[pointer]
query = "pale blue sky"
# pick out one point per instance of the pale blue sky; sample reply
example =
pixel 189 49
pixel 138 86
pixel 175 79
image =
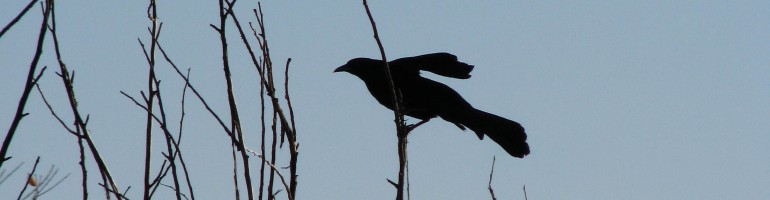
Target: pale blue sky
pixel 621 100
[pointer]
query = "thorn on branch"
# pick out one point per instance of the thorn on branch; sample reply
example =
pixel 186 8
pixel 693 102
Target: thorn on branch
pixel 37 78
pixel 215 28
pixel 144 97
pixel 392 183
pixel 72 77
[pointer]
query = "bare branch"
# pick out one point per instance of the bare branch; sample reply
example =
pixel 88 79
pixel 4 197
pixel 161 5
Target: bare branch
pixel 197 94
pixel 80 130
pixel 4 177
pixel 401 131
pixel 17 18
pixel 152 16
pixel 280 176
pixel 525 191
pixel 30 178
pixel 492 192
pixel 27 87
pixel 45 101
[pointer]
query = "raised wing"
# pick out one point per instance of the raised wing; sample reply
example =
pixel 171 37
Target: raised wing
pixel 444 64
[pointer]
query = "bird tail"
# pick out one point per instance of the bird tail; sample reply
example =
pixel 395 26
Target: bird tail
pixel 508 134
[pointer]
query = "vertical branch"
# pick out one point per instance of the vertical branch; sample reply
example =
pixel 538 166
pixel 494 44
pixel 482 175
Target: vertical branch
pixel 78 133
pixel 179 139
pixel 525 192
pixel 31 81
pixel 262 146
pixel 171 146
pixel 264 68
pixel 73 132
pixel 287 126
pixel 189 85
pixel 152 15
pixel 272 156
pixel 292 137
pixel 197 94
pixel 235 119
pixel 268 67
pixel 401 131
pixel 81 124
pixel 82 164
pixel 235 175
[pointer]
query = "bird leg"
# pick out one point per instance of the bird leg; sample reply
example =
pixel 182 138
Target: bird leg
pixel 411 127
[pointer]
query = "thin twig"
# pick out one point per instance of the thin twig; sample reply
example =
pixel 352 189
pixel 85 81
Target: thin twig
pixel 263 132
pixel 29 178
pixel 179 140
pixel 287 125
pixel 44 184
pixel 82 164
pixel 272 157
pixel 172 188
pixel 171 145
pixel 31 81
pixel 408 192
pixel 81 130
pixel 525 191
pixel 266 79
pixel 68 80
pixel 235 174
pixel 116 193
pixel 162 172
pixel 152 16
pixel 48 105
pixel 234 116
pixel 4 177
pixel 272 166
pixel 197 94
pixel 156 118
pixel 81 150
pixel 492 171
pixel 293 150
pixel 17 18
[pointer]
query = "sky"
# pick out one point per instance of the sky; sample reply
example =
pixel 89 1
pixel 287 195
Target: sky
pixel 620 99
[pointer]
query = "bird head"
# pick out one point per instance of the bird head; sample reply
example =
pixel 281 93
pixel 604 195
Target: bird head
pixel 359 66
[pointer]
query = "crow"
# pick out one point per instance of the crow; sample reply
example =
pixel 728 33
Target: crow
pixel 425 99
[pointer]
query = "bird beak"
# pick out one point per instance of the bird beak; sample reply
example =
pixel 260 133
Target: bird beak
pixel 343 68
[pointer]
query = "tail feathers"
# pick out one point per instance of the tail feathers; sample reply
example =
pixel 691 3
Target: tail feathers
pixel 508 134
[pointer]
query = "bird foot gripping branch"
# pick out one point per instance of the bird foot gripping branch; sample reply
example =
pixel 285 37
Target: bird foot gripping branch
pixel 411 127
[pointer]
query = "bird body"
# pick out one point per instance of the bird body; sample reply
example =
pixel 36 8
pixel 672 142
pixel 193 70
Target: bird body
pixel 425 99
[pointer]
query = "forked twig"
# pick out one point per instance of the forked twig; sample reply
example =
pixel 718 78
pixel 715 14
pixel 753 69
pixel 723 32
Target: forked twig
pixel 492 171
pixel 81 131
